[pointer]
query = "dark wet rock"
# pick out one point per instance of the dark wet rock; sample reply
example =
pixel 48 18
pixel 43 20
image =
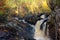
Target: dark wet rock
pixel 7 33
pixel 16 28
pixel 54 25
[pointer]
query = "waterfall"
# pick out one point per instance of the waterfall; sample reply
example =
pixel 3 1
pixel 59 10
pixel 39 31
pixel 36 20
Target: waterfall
pixel 40 34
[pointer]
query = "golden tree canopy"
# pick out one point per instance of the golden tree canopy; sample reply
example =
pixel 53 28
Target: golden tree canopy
pixel 26 6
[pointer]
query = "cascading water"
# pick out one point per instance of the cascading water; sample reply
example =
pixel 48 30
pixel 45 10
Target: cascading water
pixel 40 32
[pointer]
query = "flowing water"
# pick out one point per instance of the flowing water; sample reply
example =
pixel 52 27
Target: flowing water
pixel 39 34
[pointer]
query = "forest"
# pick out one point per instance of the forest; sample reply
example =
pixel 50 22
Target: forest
pixel 29 19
